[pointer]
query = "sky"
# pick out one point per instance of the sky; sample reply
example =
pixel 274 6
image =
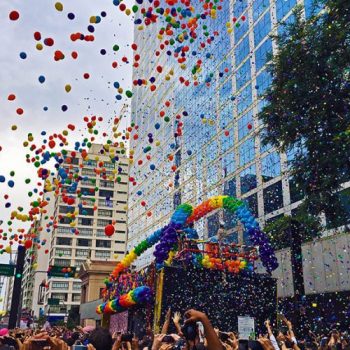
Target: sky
pixel 93 96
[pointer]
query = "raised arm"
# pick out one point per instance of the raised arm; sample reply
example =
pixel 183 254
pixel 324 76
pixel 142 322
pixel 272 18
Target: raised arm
pixel 176 320
pixel 214 342
pixel 166 322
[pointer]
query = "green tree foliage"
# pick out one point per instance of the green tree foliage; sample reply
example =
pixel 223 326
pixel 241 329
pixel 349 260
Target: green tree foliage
pixel 278 230
pixel 308 104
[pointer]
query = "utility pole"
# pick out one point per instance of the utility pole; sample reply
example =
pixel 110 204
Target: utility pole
pixel 17 287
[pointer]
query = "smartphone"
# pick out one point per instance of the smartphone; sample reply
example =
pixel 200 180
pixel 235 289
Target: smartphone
pixel 79 347
pixel 223 336
pixel 127 337
pixel 40 343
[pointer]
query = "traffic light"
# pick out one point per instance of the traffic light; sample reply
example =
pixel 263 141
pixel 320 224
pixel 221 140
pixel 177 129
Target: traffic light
pixel 18 275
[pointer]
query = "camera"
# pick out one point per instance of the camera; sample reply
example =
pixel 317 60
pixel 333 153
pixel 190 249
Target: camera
pixel 127 337
pixel 189 330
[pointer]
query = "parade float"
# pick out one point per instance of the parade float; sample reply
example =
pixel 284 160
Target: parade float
pixel 217 278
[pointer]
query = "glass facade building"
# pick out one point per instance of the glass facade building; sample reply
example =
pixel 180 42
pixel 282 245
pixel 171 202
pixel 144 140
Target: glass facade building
pixel 220 151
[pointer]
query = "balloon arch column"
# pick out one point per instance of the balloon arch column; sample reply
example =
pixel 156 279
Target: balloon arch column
pixel 167 238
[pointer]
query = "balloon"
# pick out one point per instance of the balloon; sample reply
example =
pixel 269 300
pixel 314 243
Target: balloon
pixel 109 230
pixel 41 79
pixel 68 88
pixel 14 15
pixel 59 6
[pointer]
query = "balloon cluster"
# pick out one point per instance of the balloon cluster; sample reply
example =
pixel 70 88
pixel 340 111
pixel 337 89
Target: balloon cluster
pixel 185 214
pixel 137 296
pixel 169 237
pixel 233 266
pixel 135 252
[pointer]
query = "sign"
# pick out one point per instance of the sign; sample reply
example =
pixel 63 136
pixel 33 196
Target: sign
pixel 53 301
pixel 60 271
pixel 246 328
pixel 7 269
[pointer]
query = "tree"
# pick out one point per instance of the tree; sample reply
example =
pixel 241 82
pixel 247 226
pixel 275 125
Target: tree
pixel 308 104
pixel 278 229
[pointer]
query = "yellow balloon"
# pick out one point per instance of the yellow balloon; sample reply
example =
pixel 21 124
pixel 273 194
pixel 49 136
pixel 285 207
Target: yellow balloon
pixel 39 46
pixel 59 6
pixel 68 88
pixel 8 249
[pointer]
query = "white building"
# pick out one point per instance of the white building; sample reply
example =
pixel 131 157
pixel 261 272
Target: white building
pixel 102 199
pixel 37 262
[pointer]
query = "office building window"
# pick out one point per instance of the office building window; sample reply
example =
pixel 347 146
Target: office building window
pixel 65 220
pixel 88 172
pixel 60 285
pixel 239 7
pixel 241 29
pixel 246 151
pixel 78 263
pixel 103 222
pixel 229 187
pixel 227 141
pixel 90 163
pixel 103 243
pixel 252 202
pixel 63 241
pixel 243 74
pixel 262 28
pixel 242 51
pixel 81 242
pixel 87 191
pixel 102 254
pixel 104 212
pixel 106 193
pixel 270 166
pixel 273 197
pixel 283 7
pixel 81 253
pixel 213 225
pixel 86 211
pixel 62 262
pixel 60 296
pixel 65 210
pixel 259 6
pixel 75 297
pixel 248 179
pixel 107 184
pixel 63 252
pixel 245 124
pixel 296 193
pixel 64 230
pixel 263 147
pixel 85 221
pixel 76 285
pixel 262 54
pixel 85 232
pixel 263 81
pixel 244 99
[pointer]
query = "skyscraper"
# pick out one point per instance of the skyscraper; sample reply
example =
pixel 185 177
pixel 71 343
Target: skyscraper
pixel 79 230
pixel 219 151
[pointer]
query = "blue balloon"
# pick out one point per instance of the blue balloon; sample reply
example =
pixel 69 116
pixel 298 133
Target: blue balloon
pixel 23 55
pixel 41 79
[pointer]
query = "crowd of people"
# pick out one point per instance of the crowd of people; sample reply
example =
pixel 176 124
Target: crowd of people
pixel 195 332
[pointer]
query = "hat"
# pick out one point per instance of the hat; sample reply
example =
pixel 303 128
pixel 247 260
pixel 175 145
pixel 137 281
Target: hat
pixel 3 332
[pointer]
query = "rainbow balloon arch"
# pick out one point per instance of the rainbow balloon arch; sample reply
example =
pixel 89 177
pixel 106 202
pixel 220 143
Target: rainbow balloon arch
pixel 167 238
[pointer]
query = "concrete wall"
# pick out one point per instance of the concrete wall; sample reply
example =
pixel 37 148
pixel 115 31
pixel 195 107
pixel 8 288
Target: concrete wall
pixel 326 266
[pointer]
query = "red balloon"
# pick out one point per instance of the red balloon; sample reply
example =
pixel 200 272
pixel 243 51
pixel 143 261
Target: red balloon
pixel 37 36
pixel 14 15
pixel 28 244
pixel 109 230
